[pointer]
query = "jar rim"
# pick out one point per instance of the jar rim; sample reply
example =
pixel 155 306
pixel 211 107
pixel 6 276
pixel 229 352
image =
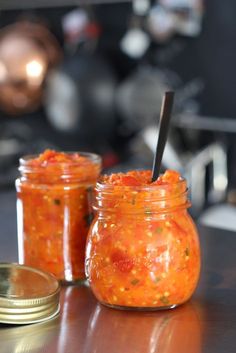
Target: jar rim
pixel 100 186
pixel 24 161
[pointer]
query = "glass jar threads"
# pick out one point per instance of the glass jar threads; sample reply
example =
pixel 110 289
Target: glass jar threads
pixel 142 249
pixel 53 211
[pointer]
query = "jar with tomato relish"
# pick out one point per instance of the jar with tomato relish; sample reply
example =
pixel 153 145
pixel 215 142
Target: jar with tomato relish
pixel 54 211
pixel 143 248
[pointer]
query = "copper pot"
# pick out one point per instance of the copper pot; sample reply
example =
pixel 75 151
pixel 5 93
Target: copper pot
pixel 27 52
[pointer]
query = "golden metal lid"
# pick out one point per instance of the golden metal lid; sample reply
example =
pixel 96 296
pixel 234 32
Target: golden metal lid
pixel 27 295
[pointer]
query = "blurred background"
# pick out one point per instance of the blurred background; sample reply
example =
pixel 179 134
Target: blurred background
pixel 89 75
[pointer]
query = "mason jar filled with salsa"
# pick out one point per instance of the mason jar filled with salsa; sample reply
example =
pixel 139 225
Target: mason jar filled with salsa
pixel 54 211
pixel 143 247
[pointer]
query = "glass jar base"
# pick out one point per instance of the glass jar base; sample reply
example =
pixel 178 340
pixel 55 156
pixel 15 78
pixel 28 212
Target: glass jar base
pixel 138 308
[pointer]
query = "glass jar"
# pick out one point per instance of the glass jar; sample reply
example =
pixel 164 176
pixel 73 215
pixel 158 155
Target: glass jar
pixel 143 248
pixel 54 211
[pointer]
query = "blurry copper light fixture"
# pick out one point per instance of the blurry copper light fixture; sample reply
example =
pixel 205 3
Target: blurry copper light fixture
pixel 27 51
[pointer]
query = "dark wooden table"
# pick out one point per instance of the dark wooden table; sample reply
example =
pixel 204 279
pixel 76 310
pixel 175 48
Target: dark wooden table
pixel 207 323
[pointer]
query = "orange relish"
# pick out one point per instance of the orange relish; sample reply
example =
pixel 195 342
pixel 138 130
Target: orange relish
pixel 143 249
pixel 54 211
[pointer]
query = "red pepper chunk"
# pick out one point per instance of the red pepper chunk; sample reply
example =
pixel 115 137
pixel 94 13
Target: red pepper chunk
pixel 122 261
pixel 169 177
pixel 129 181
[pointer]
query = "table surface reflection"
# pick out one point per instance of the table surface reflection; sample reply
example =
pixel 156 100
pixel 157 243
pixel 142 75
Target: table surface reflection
pixel 207 323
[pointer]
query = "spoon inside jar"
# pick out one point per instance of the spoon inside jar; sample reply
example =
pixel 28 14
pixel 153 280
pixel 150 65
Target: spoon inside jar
pixel 165 115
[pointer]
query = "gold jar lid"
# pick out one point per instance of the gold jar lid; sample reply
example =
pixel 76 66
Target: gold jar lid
pixel 27 295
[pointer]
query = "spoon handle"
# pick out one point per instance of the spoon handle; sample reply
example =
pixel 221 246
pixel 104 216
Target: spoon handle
pixel 165 115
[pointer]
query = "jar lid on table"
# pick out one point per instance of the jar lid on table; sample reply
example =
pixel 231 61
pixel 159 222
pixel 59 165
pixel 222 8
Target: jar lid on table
pixel 27 295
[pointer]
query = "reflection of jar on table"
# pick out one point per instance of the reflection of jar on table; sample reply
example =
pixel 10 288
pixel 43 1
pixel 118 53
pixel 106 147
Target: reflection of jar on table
pixel 77 308
pixel 178 331
pixel 143 249
pixel 53 211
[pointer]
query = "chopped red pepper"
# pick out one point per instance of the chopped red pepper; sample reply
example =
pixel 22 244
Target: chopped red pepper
pixel 55 196
pixel 145 251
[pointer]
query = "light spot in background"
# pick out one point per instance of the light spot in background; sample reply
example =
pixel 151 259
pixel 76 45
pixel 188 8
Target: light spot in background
pixel 3 72
pixel 35 71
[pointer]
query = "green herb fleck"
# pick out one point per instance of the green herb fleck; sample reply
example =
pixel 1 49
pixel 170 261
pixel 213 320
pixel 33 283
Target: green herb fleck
pixel 157 279
pixel 158 230
pixel 186 252
pixel 134 281
pixel 148 211
pixel 88 219
pixel 133 200
pixel 57 202
pixel 164 300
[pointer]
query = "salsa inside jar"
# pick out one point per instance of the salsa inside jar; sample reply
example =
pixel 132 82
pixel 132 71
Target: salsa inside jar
pixel 143 249
pixel 54 212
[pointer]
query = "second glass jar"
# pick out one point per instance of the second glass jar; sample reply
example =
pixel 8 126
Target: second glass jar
pixel 54 211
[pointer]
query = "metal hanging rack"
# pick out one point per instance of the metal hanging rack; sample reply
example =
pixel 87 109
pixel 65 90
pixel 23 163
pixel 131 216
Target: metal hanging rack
pixel 34 4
